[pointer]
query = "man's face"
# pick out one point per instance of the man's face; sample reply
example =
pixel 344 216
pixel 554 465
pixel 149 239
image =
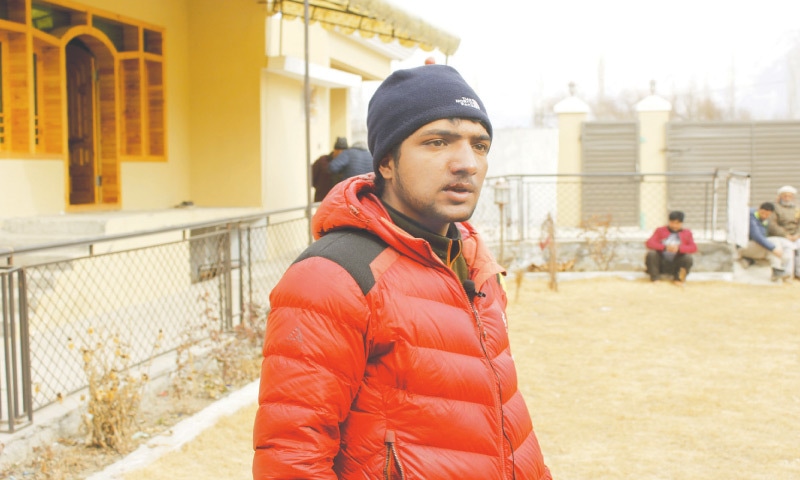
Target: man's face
pixel 764 214
pixel 675 225
pixel 439 172
pixel 786 198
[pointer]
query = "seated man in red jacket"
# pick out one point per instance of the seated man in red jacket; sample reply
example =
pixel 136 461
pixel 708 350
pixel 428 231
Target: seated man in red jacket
pixel 669 250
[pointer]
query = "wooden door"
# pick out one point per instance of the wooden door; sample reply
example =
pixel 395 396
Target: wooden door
pixel 81 120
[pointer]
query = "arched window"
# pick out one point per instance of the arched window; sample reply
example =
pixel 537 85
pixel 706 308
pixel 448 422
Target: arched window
pixel 129 104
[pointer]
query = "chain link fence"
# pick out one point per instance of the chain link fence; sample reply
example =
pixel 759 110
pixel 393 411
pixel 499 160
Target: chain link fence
pixel 150 290
pixel 634 202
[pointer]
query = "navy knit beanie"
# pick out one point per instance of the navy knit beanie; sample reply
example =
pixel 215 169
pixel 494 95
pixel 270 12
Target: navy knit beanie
pixel 409 99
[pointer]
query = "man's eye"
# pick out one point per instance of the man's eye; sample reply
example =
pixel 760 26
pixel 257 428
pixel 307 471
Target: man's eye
pixel 436 143
pixel 482 147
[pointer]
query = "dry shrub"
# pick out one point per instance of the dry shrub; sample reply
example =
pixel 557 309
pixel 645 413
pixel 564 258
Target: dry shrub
pixel 234 355
pixel 547 243
pixel 114 392
pixel 185 376
pixel 238 354
pixel 225 361
pixel 46 464
pixel 61 460
pixel 599 233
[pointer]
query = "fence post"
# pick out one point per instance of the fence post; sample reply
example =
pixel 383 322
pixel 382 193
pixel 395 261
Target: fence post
pixel 16 347
pixel 571 113
pixel 226 291
pixel 715 204
pixel 653 112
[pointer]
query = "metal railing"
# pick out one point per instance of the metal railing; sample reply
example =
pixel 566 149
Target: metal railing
pixel 16 349
pixel 633 201
pixel 147 289
pixel 150 288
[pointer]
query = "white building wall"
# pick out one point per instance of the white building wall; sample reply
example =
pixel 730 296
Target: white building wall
pixel 31 187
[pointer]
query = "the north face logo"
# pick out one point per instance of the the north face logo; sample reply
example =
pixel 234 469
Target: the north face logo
pixel 468 102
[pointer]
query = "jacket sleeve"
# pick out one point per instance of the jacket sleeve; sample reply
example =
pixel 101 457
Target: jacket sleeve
pixel 339 162
pixel 654 242
pixel 687 242
pixel 314 361
pixel 757 234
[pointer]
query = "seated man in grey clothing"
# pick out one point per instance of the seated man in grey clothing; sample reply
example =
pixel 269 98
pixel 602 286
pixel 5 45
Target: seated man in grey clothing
pixel 353 161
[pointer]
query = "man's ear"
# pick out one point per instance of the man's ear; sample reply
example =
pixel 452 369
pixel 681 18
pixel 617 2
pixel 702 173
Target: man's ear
pixel 386 167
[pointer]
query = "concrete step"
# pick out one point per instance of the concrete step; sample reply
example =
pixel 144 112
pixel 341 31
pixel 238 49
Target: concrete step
pixel 27 232
pixel 759 273
pixel 52 228
pixel 56 225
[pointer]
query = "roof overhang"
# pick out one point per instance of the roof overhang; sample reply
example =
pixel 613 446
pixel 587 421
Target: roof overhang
pixel 392 50
pixel 370 18
pixel 294 67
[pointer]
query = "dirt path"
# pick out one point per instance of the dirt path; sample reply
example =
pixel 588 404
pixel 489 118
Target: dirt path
pixel 626 379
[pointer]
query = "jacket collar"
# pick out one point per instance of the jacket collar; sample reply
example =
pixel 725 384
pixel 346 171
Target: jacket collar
pixel 352 203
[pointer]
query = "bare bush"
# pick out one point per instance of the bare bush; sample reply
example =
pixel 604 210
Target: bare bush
pixel 114 392
pixel 601 237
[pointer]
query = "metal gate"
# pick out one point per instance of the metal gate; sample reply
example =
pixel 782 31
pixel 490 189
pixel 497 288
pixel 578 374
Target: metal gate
pixel 768 150
pixel 611 148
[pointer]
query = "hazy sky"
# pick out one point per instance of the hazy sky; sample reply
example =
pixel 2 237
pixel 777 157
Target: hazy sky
pixel 515 52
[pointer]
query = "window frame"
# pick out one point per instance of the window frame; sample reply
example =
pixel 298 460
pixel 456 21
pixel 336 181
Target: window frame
pixel 27 132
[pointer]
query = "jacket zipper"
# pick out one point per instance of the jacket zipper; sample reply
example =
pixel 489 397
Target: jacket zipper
pixel 481 339
pixel 392 459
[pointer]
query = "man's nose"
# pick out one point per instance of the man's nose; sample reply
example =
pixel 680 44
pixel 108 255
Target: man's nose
pixel 464 158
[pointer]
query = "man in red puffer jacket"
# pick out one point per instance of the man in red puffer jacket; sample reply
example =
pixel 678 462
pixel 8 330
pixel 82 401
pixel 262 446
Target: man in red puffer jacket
pixel 387 351
pixel 670 249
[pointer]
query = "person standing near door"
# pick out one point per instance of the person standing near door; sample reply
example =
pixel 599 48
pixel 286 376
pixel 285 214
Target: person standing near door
pixel 351 162
pixel 321 177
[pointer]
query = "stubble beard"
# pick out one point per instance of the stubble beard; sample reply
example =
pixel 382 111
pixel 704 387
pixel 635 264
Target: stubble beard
pixel 431 211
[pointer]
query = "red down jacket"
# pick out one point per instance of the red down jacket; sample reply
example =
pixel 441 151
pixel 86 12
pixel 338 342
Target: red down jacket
pixel 377 366
pixel 656 240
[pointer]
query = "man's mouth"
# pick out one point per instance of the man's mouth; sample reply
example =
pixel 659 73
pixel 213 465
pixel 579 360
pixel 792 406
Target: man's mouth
pixel 459 188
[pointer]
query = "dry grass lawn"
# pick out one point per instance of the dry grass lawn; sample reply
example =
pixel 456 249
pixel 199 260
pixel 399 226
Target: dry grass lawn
pixel 626 379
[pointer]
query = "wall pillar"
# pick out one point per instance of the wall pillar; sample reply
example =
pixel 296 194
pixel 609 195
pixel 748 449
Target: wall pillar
pixel 653 114
pixel 571 113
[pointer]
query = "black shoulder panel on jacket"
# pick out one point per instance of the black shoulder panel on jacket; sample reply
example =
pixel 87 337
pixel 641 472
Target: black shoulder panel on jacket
pixel 353 250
